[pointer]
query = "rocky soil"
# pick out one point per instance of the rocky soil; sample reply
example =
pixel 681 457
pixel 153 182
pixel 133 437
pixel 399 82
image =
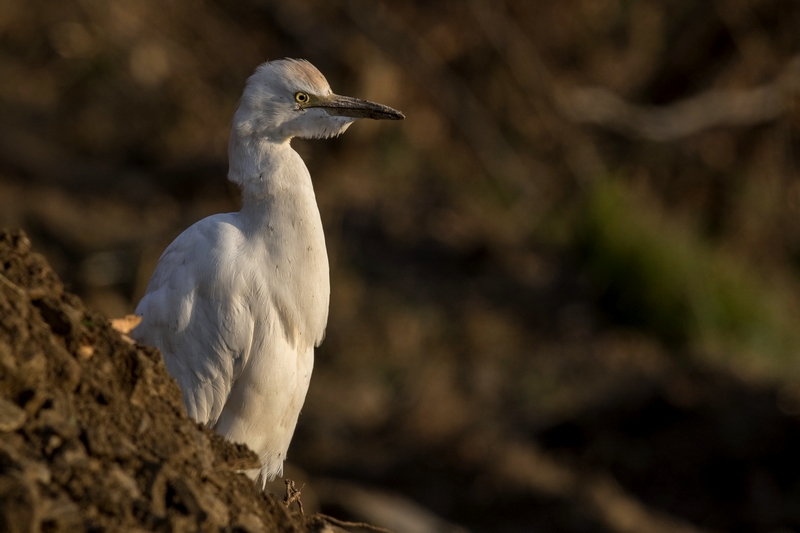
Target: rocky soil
pixel 93 434
pixel 565 290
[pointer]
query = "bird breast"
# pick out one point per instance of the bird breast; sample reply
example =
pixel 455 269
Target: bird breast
pixel 291 268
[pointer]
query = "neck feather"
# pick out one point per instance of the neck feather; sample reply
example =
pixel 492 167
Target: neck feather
pixel 262 167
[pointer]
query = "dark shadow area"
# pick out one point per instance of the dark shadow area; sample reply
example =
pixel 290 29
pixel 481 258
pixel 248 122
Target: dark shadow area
pixel 723 460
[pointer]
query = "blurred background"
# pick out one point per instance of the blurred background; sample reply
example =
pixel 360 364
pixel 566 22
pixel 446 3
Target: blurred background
pixel 565 290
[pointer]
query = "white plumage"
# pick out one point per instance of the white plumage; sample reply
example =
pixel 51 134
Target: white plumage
pixel 238 302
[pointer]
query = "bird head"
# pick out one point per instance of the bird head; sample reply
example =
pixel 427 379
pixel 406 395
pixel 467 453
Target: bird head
pixel 291 98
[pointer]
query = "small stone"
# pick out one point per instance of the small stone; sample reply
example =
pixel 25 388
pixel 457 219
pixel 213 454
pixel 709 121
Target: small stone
pixel 11 416
pixel 86 351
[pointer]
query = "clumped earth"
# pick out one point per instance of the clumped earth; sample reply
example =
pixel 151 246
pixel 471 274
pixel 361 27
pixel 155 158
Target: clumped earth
pixel 93 434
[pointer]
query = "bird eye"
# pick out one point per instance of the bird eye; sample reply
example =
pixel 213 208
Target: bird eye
pixel 301 97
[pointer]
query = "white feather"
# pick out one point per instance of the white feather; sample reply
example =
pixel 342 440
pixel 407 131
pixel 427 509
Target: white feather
pixel 238 301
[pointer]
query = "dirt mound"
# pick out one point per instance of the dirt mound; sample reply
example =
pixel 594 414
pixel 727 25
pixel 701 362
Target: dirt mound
pixel 93 434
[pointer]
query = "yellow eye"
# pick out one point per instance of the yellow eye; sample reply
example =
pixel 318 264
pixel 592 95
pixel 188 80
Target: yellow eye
pixel 301 97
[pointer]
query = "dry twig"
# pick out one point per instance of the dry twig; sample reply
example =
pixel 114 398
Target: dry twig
pixel 37 293
pixel 12 285
pixel 293 495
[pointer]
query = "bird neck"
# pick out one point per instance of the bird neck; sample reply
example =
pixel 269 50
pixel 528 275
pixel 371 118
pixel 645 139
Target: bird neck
pixel 274 182
pixel 263 167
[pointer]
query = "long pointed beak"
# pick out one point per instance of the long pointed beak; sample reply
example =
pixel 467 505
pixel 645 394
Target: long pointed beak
pixel 347 106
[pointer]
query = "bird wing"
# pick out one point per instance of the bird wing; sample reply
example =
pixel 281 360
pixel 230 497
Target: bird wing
pixel 196 313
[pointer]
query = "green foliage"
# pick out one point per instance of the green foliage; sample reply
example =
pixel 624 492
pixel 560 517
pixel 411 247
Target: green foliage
pixel 656 273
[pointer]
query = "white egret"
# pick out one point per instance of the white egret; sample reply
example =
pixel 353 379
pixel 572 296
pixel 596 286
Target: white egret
pixel 239 301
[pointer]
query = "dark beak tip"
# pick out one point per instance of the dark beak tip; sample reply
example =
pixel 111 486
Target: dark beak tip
pixel 347 106
pixel 394 114
pixel 389 113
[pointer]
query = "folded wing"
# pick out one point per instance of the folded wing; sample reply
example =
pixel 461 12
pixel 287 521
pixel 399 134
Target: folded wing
pixel 195 311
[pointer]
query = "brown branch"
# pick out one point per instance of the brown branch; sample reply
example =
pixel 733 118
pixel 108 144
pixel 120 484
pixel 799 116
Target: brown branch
pixel 360 525
pixel 714 108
